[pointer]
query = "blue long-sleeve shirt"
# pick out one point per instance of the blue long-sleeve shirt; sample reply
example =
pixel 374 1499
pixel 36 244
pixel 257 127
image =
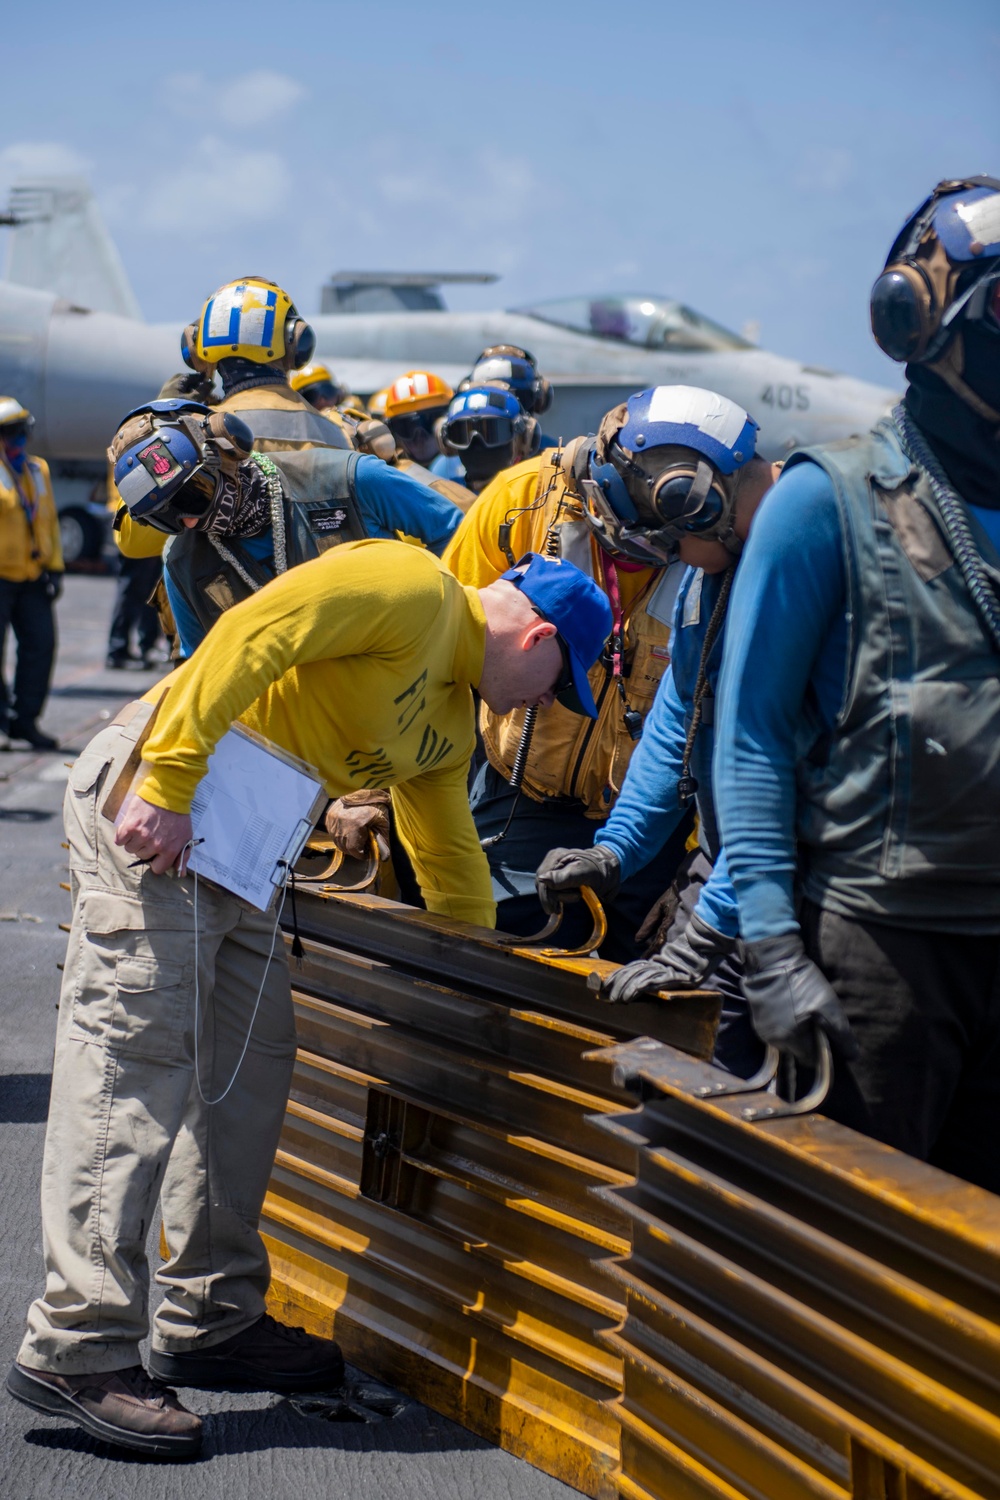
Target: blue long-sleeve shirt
pixel 647 810
pixel 784 676
pixel 390 502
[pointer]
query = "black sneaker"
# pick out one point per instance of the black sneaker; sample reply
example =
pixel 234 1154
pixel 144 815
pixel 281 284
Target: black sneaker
pixel 267 1356
pixel 26 729
pixel 125 1407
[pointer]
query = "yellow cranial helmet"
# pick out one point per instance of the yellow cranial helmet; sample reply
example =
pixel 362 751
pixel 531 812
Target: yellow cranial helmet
pixel 311 374
pixel 253 319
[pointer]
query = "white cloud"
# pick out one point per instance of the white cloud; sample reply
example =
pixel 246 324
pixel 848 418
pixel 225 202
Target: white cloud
pixel 42 159
pixel 825 169
pixel 259 96
pixel 220 187
pixel 251 99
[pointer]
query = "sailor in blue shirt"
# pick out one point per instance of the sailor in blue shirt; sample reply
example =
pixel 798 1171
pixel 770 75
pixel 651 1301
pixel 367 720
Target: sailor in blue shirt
pixel 858 756
pixel 705 501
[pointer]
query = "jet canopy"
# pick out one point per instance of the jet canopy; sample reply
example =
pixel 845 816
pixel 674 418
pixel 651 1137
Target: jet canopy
pixel 635 318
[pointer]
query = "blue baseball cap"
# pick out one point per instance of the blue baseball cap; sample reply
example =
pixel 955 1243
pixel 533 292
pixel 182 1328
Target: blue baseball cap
pixel 578 609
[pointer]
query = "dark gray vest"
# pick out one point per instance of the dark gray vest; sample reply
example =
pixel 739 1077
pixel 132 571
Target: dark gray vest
pixel 899 808
pixel 320 511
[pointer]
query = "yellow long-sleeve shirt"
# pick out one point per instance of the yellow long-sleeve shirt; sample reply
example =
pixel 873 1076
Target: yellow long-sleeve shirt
pixel 28 548
pixel 360 662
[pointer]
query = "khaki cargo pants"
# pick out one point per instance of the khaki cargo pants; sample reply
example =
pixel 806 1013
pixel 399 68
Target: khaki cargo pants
pixel 127 1123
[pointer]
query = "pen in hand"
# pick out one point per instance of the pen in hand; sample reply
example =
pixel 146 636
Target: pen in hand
pixel 192 844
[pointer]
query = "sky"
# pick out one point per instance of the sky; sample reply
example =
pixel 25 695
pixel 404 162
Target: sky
pixel 754 161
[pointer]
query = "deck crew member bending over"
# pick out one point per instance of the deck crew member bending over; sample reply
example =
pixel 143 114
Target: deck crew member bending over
pixel 362 663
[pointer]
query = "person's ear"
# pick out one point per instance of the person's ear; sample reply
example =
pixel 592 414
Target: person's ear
pixel 538 632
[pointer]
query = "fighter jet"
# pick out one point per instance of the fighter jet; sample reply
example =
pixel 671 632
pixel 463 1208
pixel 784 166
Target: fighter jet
pixel 73 348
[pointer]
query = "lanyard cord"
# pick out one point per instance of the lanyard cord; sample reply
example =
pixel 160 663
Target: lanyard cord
pixel 687 785
pixel 197 998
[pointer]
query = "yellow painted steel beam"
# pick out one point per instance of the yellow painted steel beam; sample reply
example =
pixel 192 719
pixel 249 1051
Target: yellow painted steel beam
pixel 810 1313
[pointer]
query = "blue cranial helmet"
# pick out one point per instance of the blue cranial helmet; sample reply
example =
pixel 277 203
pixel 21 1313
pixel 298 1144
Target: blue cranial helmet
pixel 663 467
pixel 942 270
pixel 167 458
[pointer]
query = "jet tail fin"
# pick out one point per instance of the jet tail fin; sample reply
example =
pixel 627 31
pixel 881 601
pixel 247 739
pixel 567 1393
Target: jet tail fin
pixel 59 243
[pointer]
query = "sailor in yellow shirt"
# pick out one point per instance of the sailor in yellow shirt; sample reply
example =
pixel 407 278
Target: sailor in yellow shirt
pixel 31 570
pixel 362 662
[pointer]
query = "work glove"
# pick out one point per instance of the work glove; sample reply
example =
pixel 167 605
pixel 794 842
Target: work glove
pixel 683 964
pixel 788 994
pixel 54 585
pixel 349 821
pixel 563 871
pixel 189 385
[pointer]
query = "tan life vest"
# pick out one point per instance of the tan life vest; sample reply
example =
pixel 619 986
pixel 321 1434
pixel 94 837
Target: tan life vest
pixel 572 756
pixel 280 419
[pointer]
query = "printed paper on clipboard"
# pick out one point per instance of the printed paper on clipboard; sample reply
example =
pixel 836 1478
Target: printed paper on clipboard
pixel 255 806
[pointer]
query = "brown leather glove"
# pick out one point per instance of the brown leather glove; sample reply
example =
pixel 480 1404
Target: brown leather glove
pixel 349 820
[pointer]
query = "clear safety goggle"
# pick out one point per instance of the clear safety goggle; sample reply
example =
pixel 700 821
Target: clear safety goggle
pixel 656 548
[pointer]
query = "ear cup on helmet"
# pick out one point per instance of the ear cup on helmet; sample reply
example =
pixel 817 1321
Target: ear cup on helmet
pixel 189 351
pixel 543 396
pixel 300 343
pixel 905 313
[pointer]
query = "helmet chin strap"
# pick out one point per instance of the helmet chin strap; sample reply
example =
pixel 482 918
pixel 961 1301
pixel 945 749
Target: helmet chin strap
pixel 949 368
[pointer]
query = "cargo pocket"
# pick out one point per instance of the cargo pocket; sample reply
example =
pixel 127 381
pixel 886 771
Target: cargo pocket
pixel 152 1001
pixel 83 792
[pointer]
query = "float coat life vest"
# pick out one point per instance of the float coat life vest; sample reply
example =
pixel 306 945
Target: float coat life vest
pixel 898 807
pixel 570 756
pixel 29 525
pixel 281 419
pixel 320 510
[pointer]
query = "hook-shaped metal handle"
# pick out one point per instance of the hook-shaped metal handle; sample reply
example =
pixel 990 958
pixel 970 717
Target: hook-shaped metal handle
pixel 322 844
pixel 598 933
pixel 762 1079
pixel 782 1108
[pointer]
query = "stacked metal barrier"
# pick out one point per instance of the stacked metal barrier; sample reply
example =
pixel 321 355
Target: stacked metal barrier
pixel 430 1201
pixel 809 1313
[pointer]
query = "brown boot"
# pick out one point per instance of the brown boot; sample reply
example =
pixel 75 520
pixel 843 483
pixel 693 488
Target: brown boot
pixel 126 1408
pixel 267 1356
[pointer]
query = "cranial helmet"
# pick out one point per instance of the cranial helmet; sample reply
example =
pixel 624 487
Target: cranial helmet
pixel 518 369
pixel 664 466
pixel 250 319
pixel 315 381
pixel 169 458
pixel 14 416
pixel 489 429
pixel 941 276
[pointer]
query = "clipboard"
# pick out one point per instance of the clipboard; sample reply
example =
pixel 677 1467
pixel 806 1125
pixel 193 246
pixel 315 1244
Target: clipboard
pixel 253 810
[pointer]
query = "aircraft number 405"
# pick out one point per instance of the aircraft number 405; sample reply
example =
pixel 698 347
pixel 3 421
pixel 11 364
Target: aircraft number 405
pixel 786 397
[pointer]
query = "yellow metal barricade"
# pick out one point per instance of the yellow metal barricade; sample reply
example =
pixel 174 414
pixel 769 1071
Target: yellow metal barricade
pixel 810 1314
pixel 431 1201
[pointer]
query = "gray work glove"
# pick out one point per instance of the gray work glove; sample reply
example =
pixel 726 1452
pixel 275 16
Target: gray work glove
pixel 350 820
pixel 787 994
pixel 683 964
pixel 563 871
